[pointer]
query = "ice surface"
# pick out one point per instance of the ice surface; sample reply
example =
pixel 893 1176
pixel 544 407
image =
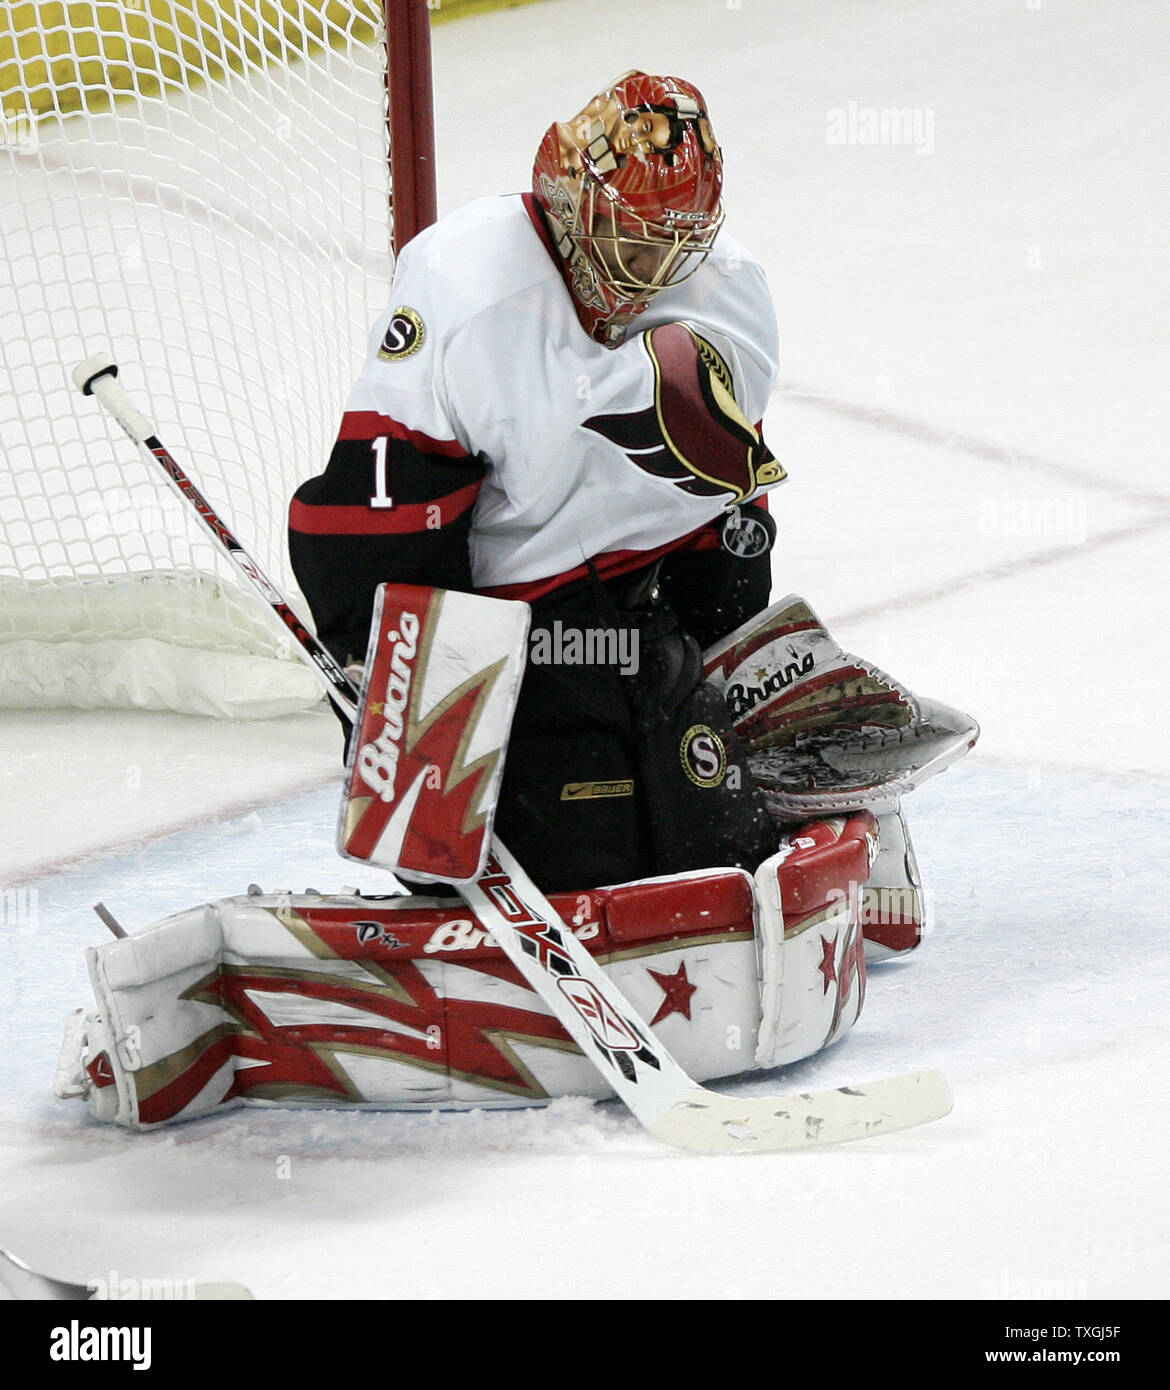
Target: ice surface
pixel 974 422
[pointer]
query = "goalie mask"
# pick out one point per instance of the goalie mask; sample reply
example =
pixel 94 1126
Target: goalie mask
pixel 630 188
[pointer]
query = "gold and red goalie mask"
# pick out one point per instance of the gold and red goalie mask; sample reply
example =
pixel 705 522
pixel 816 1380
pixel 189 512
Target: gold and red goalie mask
pixel 630 188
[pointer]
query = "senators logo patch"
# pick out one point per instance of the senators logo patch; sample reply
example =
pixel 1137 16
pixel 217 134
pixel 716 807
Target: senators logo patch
pixel 694 435
pixel 704 757
pixel 405 334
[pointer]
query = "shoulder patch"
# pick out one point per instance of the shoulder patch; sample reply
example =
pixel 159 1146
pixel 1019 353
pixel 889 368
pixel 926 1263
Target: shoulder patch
pixel 405 334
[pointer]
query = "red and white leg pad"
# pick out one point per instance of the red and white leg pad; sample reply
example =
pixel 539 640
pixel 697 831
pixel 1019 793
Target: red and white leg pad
pixel 812 952
pixel 407 1003
pixel 893 910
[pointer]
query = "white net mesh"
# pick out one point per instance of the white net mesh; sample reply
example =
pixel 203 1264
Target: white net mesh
pixel 202 190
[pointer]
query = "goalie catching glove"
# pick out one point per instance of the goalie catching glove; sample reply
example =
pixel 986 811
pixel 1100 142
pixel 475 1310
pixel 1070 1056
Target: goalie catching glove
pixel 827 732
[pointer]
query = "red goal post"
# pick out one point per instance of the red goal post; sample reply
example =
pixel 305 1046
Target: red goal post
pixel 411 109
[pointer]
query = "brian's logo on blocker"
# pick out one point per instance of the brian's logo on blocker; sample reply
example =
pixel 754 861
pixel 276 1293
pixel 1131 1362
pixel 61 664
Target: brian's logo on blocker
pixel 377 762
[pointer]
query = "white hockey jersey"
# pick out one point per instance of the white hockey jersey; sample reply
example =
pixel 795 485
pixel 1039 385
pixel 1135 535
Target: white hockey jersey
pixel 589 452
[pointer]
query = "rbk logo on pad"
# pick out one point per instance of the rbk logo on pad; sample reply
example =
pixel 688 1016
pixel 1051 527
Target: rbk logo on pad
pixel 694 435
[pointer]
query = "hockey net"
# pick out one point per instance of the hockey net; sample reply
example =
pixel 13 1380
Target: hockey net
pixel 201 188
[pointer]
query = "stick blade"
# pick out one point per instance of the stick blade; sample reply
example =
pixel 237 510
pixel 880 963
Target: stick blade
pixel 705 1122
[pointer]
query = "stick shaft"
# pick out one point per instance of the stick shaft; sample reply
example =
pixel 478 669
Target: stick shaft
pixel 98 377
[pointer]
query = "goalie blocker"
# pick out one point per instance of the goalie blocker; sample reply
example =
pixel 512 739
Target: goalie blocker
pixel 423 771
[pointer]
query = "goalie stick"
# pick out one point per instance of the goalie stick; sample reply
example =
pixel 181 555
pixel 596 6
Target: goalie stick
pixel 585 1001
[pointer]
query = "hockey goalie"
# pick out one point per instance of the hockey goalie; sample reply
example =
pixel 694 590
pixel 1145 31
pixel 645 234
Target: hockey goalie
pixel 542 542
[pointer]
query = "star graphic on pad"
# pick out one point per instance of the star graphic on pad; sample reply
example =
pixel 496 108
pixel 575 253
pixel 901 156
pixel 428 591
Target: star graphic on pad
pixel 678 990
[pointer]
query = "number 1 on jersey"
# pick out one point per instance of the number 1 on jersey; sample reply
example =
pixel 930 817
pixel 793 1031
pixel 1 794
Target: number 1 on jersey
pixel 381 497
